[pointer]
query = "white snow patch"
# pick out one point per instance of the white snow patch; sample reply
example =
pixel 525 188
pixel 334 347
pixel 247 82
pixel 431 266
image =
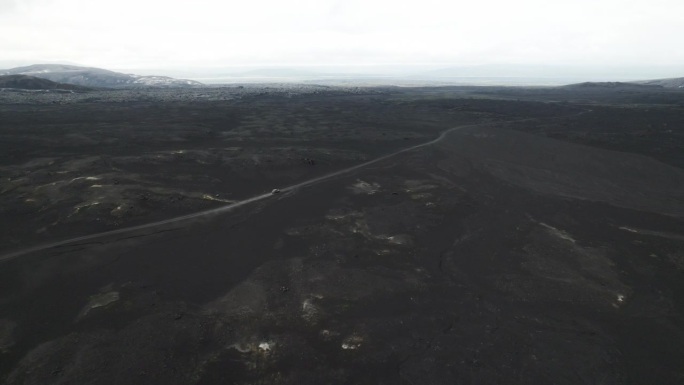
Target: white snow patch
pixel 619 301
pixel 266 347
pixel 559 233
pixel 352 342
pixel 628 229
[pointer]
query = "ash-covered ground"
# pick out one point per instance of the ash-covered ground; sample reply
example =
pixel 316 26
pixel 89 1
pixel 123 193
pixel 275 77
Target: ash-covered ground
pixel 538 241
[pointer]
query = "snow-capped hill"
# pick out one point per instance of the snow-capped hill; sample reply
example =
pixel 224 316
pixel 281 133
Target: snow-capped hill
pixel 667 83
pixel 164 81
pixel 96 77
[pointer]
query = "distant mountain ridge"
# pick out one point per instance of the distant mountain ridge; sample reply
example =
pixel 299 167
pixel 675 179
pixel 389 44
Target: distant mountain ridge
pixel 96 77
pixel 613 85
pixel 25 82
pixel 667 83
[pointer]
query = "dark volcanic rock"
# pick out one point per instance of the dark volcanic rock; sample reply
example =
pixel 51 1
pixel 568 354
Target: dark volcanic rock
pixel 484 255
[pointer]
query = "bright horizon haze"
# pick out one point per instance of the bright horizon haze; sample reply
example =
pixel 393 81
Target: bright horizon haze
pixel 637 37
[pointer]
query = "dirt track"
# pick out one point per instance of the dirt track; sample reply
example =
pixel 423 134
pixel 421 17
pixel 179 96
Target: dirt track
pixel 231 206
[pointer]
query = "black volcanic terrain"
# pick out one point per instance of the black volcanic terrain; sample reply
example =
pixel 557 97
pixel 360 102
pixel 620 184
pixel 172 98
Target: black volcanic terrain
pixel 321 235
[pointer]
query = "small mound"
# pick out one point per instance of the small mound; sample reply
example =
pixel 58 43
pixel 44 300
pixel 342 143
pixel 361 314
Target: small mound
pixel 611 85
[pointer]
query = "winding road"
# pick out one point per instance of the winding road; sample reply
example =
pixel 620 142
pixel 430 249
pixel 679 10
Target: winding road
pixel 244 202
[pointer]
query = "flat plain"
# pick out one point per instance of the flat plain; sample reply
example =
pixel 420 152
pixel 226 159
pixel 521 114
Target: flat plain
pixel 536 238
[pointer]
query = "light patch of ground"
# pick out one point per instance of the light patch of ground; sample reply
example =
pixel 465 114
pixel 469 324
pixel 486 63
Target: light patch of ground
pixel 418 190
pixel 344 222
pixel 242 347
pixel 327 334
pixel 83 205
pixel 99 300
pixel 266 346
pixel 415 186
pixel 360 226
pixel 256 350
pixel 363 187
pixel 619 301
pixel 352 342
pixel 217 199
pixel 334 215
pixel 662 234
pixel 310 311
pixel 400 239
pixel 563 271
pixel 118 211
pixel 421 196
pixel 559 233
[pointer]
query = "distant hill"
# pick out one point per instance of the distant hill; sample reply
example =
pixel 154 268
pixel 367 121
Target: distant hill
pixel 612 85
pixel 667 83
pixel 96 77
pixel 25 82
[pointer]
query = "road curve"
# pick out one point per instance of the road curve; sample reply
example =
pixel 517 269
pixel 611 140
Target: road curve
pixel 244 202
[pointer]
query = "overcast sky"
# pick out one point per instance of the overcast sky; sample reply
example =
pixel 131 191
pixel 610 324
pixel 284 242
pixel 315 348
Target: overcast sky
pixel 213 33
